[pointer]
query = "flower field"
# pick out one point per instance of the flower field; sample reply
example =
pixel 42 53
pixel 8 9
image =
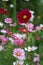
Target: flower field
pixel 21 32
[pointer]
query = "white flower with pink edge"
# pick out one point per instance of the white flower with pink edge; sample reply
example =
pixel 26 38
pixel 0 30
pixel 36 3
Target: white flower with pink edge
pixel 8 20
pixel 18 62
pixel 19 53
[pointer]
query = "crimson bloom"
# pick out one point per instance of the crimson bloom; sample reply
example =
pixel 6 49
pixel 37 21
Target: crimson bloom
pixel 23 16
pixel 23 30
pixel 3 11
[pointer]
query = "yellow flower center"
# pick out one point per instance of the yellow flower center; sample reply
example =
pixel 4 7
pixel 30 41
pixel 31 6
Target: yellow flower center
pixel 18 54
pixel 18 64
pixel 24 30
pixel 25 16
pixel 42 27
pixel 30 49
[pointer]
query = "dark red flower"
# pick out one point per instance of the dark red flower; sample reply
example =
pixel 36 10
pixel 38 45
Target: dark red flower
pixel 23 30
pixel 23 16
pixel 3 11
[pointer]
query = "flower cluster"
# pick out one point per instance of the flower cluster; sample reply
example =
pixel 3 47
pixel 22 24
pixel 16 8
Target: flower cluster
pixel 24 39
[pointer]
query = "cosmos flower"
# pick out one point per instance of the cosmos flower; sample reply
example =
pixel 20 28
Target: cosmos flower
pixel 18 62
pixel 23 30
pixel 19 36
pixel 12 24
pixel 29 26
pixel 38 38
pixel 3 39
pixel 24 16
pixel 19 53
pixel 38 28
pixel 8 20
pixel 29 49
pixel 1 47
pixel 3 31
pixel 1 24
pixel 10 34
pixel 3 11
pixel 36 58
pixel 19 42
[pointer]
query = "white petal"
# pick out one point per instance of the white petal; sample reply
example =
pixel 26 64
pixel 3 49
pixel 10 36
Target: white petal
pixel 25 49
pixel 1 24
pixel 14 63
pixel 41 25
pixel 20 35
pixel 22 58
pixel 1 47
pixel 20 62
pixel 27 0
pixel 34 48
pixel 24 36
pixel 32 17
pixel 3 31
pixel 11 40
pixel 5 0
pixel 32 12
pixel 29 48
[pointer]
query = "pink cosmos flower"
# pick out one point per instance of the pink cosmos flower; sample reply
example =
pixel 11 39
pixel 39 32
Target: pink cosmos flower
pixel 38 28
pixel 29 26
pixel 12 25
pixel 19 53
pixel 8 32
pixel 37 38
pixel 36 58
pixel 19 42
pixel 3 39
pixel 8 20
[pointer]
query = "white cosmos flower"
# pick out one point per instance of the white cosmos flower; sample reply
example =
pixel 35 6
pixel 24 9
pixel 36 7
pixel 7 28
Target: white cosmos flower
pixel 1 47
pixel 11 39
pixel 19 53
pixel 18 62
pixel 31 48
pixel 3 31
pixel 20 35
pixel 1 24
